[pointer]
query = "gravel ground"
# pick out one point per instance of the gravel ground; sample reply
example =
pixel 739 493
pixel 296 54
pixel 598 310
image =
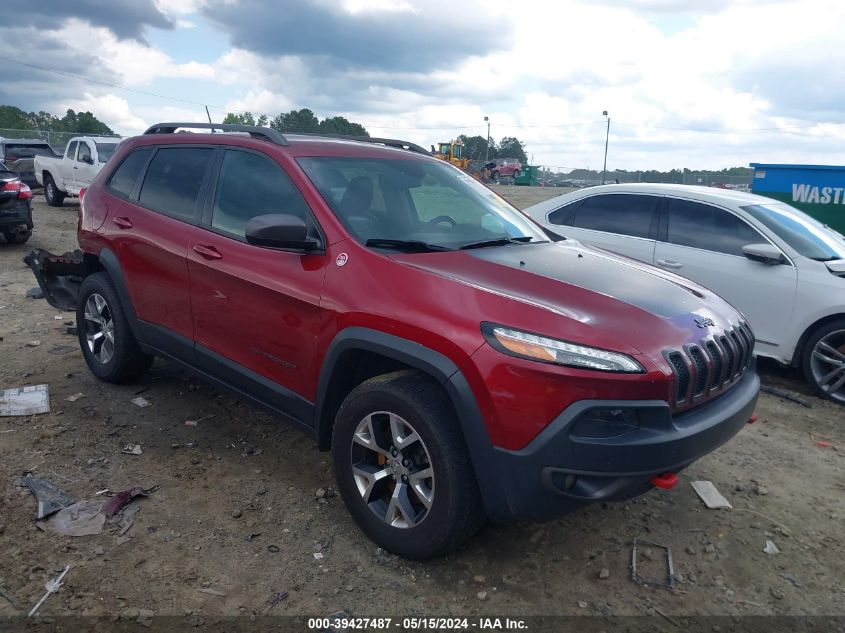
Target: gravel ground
pixel 245 503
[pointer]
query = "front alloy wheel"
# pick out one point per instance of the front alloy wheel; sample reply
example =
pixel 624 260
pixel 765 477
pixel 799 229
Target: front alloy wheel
pixel 827 365
pixel 392 469
pixel 99 328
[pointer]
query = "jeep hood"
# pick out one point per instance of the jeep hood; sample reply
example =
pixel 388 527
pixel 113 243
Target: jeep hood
pixel 583 289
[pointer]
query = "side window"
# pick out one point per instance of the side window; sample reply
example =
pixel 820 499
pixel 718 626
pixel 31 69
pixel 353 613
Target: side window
pixel 71 150
pixel 127 173
pixel 709 228
pixel 84 153
pixel 622 213
pixel 173 180
pixel 251 185
pixel 565 216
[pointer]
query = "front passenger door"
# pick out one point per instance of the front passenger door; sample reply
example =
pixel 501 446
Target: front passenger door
pixel 256 310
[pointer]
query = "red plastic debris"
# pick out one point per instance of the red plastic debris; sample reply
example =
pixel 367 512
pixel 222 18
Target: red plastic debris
pixel 753 418
pixel 823 444
pixel 665 481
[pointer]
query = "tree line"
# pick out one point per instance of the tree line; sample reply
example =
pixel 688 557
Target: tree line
pixel 476 148
pixel 303 121
pixel 78 122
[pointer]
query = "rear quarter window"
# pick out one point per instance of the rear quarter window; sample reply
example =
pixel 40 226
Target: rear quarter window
pixel 124 177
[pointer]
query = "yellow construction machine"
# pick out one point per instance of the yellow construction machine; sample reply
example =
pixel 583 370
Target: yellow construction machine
pixel 453 152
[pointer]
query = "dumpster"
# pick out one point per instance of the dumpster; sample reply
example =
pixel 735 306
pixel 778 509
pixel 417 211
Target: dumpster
pixel 528 177
pixel 818 190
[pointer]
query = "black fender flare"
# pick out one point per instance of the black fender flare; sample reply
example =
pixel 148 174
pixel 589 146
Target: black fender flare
pixel 444 371
pixel 108 260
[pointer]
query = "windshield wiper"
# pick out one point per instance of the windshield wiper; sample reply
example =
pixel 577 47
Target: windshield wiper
pixel 499 241
pixel 411 246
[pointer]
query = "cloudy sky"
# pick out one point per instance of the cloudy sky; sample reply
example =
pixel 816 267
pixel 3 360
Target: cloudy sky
pixel 687 84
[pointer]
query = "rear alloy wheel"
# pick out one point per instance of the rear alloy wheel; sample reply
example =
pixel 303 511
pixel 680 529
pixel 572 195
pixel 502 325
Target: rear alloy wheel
pixel 55 198
pixel 824 361
pixel 495 176
pixel 402 467
pixel 516 174
pixel 107 342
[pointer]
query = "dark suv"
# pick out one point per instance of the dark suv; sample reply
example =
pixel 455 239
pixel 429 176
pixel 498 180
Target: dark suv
pixel 458 364
pixel 15 207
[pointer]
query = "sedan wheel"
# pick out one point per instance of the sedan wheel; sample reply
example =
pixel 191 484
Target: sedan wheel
pixel 827 365
pixel 99 328
pixel 392 469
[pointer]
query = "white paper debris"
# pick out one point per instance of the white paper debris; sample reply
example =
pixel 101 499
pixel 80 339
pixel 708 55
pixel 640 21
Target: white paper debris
pixel 771 548
pixel 141 402
pixel 75 397
pixel 711 497
pixel 58 317
pixel 132 449
pixel 35 343
pixel 30 400
pixel 317 555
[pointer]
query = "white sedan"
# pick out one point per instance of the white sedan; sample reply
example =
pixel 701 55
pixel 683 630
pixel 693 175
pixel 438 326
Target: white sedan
pixel 783 269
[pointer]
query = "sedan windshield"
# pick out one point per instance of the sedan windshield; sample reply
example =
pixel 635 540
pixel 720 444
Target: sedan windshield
pixel 421 202
pixel 105 150
pixel 807 236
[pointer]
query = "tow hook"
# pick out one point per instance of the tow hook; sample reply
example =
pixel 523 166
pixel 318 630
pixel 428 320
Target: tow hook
pixel 666 481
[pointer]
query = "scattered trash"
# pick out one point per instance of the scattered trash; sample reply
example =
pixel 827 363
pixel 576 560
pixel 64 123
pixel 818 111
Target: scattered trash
pixel 604 574
pixel 786 395
pixel 791 579
pixel 275 599
pixel 83 518
pixel 711 497
pixel 34 293
pixel 771 548
pixel 21 401
pixel 823 444
pixel 75 397
pixel 198 420
pixel 50 498
pixel 71 329
pixel 635 575
pixel 140 402
pixel 58 317
pixel 132 449
pixel 14 601
pixel 273 549
pixel 582 604
pixel 52 587
pixel 209 590
pixel 318 555
pixel 481 595
pixel 123 497
pixel 249 538
pixel 34 343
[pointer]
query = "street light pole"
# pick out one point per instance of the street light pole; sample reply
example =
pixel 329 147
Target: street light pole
pixel 606 139
pixel 487 148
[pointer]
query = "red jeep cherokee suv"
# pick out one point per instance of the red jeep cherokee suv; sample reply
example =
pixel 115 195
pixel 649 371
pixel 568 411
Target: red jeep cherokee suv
pixel 458 363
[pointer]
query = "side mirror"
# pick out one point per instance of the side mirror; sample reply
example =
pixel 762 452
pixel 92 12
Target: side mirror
pixel 764 254
pixel 89 160
pixel 279 230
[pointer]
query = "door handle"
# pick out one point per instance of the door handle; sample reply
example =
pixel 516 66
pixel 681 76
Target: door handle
pixel 209 252
pixel 75 167
pixel 123 223
pixel 668 263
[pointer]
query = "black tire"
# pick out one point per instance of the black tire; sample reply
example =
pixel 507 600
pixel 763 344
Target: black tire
pixel 54 197
pixel 516 174
pixel 495 176
pixel 834 332
pixel 126 361
pixel 17 237
pixel 456 512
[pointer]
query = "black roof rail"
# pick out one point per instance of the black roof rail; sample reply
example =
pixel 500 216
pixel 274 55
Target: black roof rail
pixel 266 133
pixel 389 142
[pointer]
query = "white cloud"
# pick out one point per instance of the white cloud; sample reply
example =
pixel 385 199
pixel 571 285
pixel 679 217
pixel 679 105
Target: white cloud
pixel 112 110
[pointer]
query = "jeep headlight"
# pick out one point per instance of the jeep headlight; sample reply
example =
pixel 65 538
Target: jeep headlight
pixel 548 350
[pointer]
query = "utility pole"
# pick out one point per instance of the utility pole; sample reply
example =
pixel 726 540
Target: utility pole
pixel 606 139
pixel 487 148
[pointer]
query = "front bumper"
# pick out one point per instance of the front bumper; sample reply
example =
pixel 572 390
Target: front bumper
pixel 558 471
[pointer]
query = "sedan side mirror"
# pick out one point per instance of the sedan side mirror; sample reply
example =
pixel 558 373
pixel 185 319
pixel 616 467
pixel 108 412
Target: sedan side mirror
pixel 764 254
pixel 279 230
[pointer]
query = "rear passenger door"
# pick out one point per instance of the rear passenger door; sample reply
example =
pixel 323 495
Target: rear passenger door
pixel 619 222
pixel 153 217
pixel 256 310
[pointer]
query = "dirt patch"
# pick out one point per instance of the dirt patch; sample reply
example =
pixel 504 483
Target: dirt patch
pixel 238 514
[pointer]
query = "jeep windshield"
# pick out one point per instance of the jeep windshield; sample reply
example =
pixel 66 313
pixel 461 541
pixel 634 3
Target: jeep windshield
pixel 419 202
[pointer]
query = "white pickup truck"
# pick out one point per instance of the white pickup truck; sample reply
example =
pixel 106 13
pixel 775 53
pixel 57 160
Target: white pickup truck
pixel 84 157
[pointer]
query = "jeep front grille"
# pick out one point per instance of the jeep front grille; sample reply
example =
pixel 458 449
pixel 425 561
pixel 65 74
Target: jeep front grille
pixel 711 366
